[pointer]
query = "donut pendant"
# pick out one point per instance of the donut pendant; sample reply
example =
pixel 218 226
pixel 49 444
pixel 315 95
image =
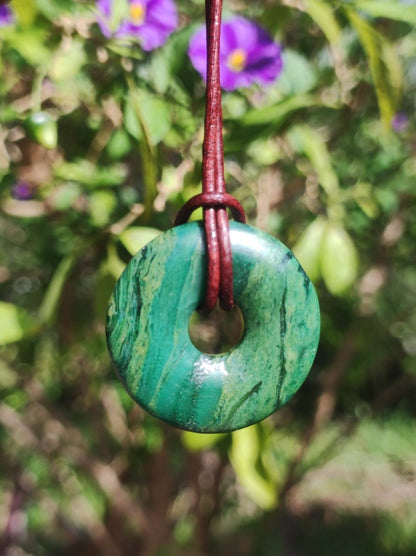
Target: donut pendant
pixel 155 359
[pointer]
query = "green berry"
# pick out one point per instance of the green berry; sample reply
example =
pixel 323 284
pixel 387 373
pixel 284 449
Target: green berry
pixel 42 128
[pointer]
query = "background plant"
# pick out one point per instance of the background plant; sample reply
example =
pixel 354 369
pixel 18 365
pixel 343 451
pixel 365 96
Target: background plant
pixel 100 145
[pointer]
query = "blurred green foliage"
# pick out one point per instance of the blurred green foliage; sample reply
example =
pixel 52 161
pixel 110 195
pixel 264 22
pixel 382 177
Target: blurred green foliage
pixel 106 142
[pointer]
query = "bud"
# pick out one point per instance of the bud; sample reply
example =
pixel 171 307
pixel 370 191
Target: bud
pixel 42 128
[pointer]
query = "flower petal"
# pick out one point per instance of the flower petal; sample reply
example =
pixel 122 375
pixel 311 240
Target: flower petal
pixel 6 16
pixel 160 20
pixel 197 51
pixel 263 62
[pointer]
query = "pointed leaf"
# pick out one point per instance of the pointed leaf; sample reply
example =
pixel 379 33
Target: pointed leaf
pixel 307 248
pixel 306 140
pixel 388 10
pixel 104 285
pixel 279 111
pixel 30 43
pixel 114 264
pixel 363 195
pixel 15 323
pixel 119 144
pixel 136 237
pixel 338 259
pixel 196 442
pixel 84 172
pixel 298 75
pixel 119 12
pixel 385 66
pixel 131 122
pixel 52 9
pixel 101 205
pixel 25 11
pixel 245 458
pixel 52 296
pixel 67 62
pixel 151 114
pixel 265 122
pixel 323 15
pixel 161 68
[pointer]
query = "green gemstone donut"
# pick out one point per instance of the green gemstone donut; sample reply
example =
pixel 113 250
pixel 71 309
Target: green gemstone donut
pixel 148 338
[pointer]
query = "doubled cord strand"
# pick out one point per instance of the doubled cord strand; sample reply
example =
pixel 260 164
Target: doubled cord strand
pixel 209 166
pixel 214 198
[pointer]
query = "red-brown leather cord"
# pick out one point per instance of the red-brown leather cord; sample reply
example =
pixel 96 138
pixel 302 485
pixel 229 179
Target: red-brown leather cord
pixel 214 198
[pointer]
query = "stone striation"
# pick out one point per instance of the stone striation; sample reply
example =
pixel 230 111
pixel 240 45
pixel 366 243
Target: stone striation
pixel 148 338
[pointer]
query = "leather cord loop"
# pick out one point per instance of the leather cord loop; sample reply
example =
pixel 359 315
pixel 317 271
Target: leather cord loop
pixel 211 200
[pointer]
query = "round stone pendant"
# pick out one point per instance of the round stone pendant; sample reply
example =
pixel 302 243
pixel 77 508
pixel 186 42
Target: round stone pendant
pixel 154 357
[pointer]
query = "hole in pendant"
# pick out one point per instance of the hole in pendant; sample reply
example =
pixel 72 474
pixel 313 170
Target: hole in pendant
pixel 218 331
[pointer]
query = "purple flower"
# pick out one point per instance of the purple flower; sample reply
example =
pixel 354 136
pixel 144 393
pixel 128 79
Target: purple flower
pixel 149 21
pixel 400 122
pixel 247 54
pixel 22 191
pixel 6 16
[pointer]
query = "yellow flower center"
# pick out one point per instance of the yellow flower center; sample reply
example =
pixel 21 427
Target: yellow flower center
pixel 237 59
pixel 137 12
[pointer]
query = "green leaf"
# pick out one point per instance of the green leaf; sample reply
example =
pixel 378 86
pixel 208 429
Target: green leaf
pixel 67 63
pixel 195 442
pixel 274 16
pixel 307 248
pixel 265 121
pixel 15 323
pixel 104 285
pixel 25 11
pixel 388 10
pixel 306 140
pixel 148 114
pixel 88 174
pixel 338 259
pixel 246 461
pixel 119 144
pixel 323 15
pixel 298 75
pixel 126 49
pixel 153 127
pixel 17 399
pixel 265 151
pixel 31 43
pixel 131 121
pixel 54 8
pixel 183 128
pixel 385 66
pixel 119 12
pixel 136 237
pixel 101 206
pixel 65 195
pixel 114 264
pixel 278 112
pixel 156 117
pixel 52 296
pixel 362 193
pixel 161 70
